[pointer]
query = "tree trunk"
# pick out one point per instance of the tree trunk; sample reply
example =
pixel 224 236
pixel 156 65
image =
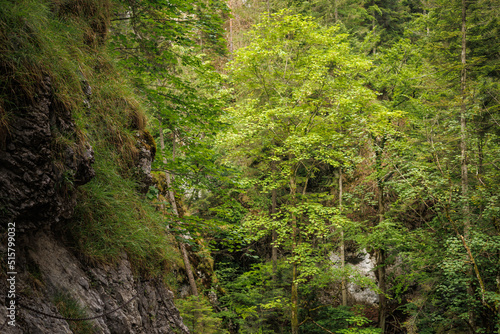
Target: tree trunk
pixel 463 129
pixel 380 253
pixel 295 290
pixel 231 48
pixel 463 151
pixel 342 245
pixel 335 10
pixel 274 254
pixel 171 195
pixel 374 27
pixel 295 301
pixel 380 256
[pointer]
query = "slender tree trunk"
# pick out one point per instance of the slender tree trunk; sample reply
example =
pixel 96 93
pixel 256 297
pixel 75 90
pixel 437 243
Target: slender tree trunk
pixel 335 10
pixel 480 159
pixel 274 254
pixel 380 253
pixel 171 195
pixel 274 234
pixel 295 301
pixel 231 48
pixel 295 290
pixel 342 245
pixel 380 256
pixel 463 149
pixel 374 27
pixel 426 26
pixel 463 128
pixel 498 302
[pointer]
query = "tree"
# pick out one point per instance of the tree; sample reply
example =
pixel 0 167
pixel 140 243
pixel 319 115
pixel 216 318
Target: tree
pixel 434 184
pixel 300 103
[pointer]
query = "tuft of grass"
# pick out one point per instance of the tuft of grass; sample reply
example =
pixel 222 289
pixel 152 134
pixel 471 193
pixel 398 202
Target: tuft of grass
pixel 70 308
pixel 37 42
pixel 112 218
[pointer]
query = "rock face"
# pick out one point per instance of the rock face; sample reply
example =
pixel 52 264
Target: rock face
pixel 38 169
pixel 365 265
pixel 98 289
pixel 42 162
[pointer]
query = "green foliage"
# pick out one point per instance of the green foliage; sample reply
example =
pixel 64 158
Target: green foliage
pixel 301 107
pixel 198 316
pixel 253 302
pixel 304 104
pixel 169 50
pixel 334 319
pixel 372 23
pixel 337 320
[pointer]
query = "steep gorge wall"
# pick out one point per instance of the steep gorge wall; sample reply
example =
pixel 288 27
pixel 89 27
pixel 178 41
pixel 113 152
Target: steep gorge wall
pixel 47 269
pixel 44 158
pixel 36 199
pixel 36 190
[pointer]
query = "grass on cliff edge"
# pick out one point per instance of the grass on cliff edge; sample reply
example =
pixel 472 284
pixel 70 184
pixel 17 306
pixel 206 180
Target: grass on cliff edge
pixel 111 218
pixel 65 40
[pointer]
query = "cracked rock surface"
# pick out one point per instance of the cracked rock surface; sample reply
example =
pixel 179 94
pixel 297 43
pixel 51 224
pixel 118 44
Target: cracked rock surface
pixel 98 290
pixel 42 162
pixel 38 170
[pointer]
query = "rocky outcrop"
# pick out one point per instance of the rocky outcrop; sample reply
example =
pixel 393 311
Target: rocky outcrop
pixel 364 265
pixel 47 269
pixel 42 161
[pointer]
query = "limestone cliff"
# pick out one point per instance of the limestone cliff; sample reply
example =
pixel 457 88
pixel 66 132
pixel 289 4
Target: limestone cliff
pixel 38 182
pixel 48 269
pixel 38 176
pixel 66 119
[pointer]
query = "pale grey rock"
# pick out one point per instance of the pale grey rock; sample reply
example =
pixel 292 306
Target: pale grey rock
pixel 144 161
pixel 365 265
pixel 98 289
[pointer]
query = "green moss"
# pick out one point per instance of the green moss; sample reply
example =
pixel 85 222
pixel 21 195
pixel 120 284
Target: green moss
pixel 150 141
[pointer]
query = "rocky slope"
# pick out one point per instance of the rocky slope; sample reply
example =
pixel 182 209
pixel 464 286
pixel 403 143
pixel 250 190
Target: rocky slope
pixel 39 178
pixel 34 170
pixel 48 269
pixel 55 132
pixel 37 196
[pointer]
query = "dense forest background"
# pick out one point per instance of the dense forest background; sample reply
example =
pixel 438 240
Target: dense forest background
pixel 291 137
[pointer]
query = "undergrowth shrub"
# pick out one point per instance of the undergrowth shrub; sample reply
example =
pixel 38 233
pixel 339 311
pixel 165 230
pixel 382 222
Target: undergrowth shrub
pixel 198 315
